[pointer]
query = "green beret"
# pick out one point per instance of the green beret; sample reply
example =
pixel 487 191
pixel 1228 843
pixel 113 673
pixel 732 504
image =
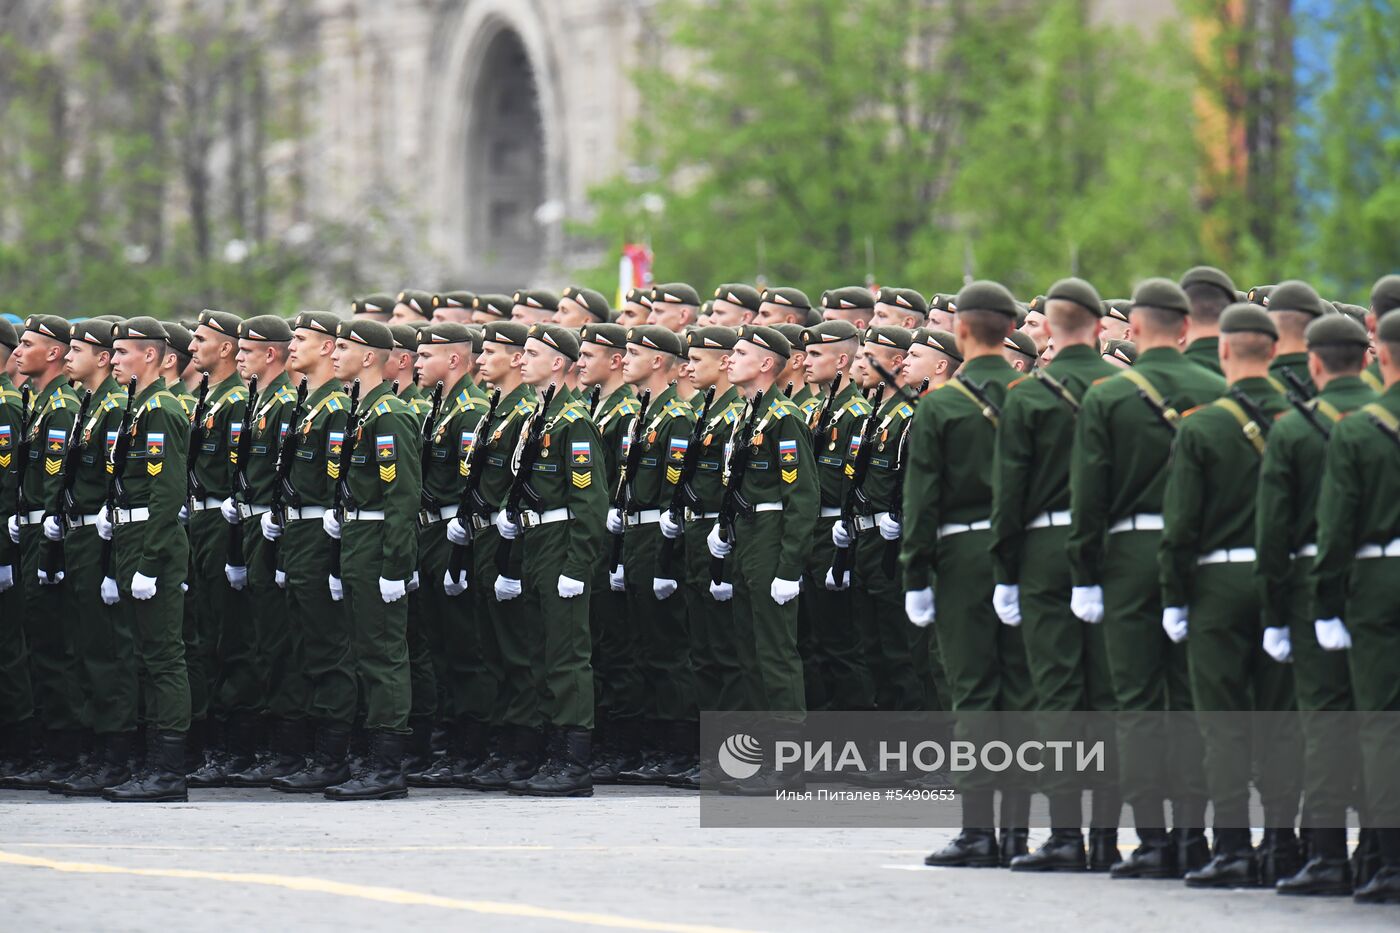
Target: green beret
pixel 1336 329
pixel 605 335
pixel 943 302
pixel 593 301
pixel 745 296
pixel 905 298
pixel 1036 304
pixel 829 332
pixel 8 337
pixel 453 300
pixel 1124 350
pixel 792 333
pixel 556 337
pixel 367 333
pixel 1247 318
pixel 421 302
pixel 1385 295
pixel 1078 291
pixel 1023 311
pixel 1209 275
pixel 1161 293
pixel 221 321
pixel 655 337
pixel 1294 295
pixel 49 325
pixel 706 308
pixel 405 336
pixel 266 328
pixel 445 332
pixel 675 293
pixel 139 328
pixel 1355 312
pixel 498 305
pixel 93 332
pixel 109 318
pixel 940 340
pixel 896 338
pixel 712 338
pixel 323 322
pixel 1259 294
pixel 178 337
pixel 373 304
pixel 766 338
pixel 510 333
pixel 475 331
pixel 851 297
pixel 787 297
pixel 1328 307
pixel 540 299
pixel 1388 330
pixel 1117 308
pixel 1021 342
pixel 641 296
pixel 983 295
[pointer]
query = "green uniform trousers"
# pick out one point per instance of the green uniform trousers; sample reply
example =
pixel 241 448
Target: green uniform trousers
pixel 1373 619
pixel 767 632
pixel 219 638
pixel 508 641
pixel 662 637
pixel 278 679
pixel 902 659
pixel 48 624
pixel 379 630
pixel 466 692
pixel 16 691
pixel 835 672
pixel 560 659
pixel 326 677
pixel 103 641
pixel 617 690
pixel 714 642
pixel 424 649
pixel 157 625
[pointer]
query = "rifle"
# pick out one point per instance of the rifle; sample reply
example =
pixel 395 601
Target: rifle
pixel 990 409
pixel 824 419
pixel 594 397
pixel 471 502
pixel 1057 388
pixel 683 494
pixel 520 490
pixel 343 499
pixel 115 492
pixel 234 547
pixel 194 489
pixel 1298 397
pixel 26 422
pixel 429 423
pixel 1297 384
pixel 1257 419
pixel 282 491
pixel 787 393
pixel 890 561
pixel 892 380
pixel 733 503
pixel 855 494
pixel 68 474
pixel 622 494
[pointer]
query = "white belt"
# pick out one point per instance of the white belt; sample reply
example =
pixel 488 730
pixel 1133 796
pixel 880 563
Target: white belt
pixel 954 528
pixel 644 517
pixel 442 514
pixel 867 522
pixel 1144 522
pixel 1051 520
pixel 1307 550
pixel 199 505
pixel 36 517
pixel 830 511
pixel 768 507
pixel 1227 555
pixel 691 516
pixel 122 517
pixel 250 511
pixel 530 519
pixel 365 515
pixel 306 512
pixel 1369 551
pixel 482 522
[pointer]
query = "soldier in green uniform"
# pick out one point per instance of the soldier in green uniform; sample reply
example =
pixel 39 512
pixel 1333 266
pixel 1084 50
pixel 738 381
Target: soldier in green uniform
pixel 653 360
pixel 1115 319
pixel 453 307
pixel 1030 521
pixel 58 697
pixel 735 304
pixel 16 698
pixel 560 535
pixel 933 355
pixel 177 369
pixel 899 307
pixel 795 370
pixel 1385 297
pixel 783 306
pixel 854 304
pixel 942 312
pixel 325 677
pixel 533 306
pixel 1019 351
pixel 580 306
pixel 1285 543
pixel 947 511
pixel 636 307
pixel 1358 592
pixel 1209 291
pixel 1123 438
pixel 411 306
pixel 674 306
pixel 378 532
pixel 150 558
pixel 1293 305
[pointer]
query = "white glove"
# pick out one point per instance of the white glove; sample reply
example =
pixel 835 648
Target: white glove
pixel 454 587
pixel 569 587
pixel 14 528
pixel 229 510
pixel 663 588
pixel 270 529
pixel 1174 623
pixel 237 576
pixel 53 528
pixel 110 593
pixel 890 528
pixel 104 526
pixel 617 579
pixel 1278 644
pixel 331 524
pixel 1332 635
pixel 722 592
pixel 7 577
pixel 391 590
pixel 1006 600
pixel 1086 602
pixel 918 606
pixel 505 526
pixel 784 591
pixel 337 588
pixel 717 547
pixel 831 583
pixel 840 534
pixel 46 580
pixel 280 578
pixel 413 582
pixel 456 532
pixel 184 587
pixel 142 586
pixel 506 588
pixel 669 528
pixel 184 516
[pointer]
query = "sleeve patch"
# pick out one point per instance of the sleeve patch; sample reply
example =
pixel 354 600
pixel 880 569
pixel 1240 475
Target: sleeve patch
pixel 581 479
pixel 335 440
pixel 155 445
pixel 789 476
pixel 581 453
pixel 678 448
pixel 787 451
pixel 468 441
pixel 57 440
pixel 384 450
pixel 7 438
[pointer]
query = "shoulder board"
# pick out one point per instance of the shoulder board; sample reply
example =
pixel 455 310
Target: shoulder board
pixel 523 407
pixel 58 401
pixel 676 408
pixel 810 405
pixel 236 394
pixel 285 394
pixel 730 414
pixel 781 407
pixel 333 403
pixel 572 412
pixel 905 410
pixel 858 406
pixel 158 400
pixel 113 401
pixel 628 406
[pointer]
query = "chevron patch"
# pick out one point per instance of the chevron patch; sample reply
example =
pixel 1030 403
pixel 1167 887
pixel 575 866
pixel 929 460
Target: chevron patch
pixel 389 473
pixel 582 479
pixel 673 475
pixel 153 467
pixel 332 469
pixel 5 461
pixel 52 466
pixel 789 476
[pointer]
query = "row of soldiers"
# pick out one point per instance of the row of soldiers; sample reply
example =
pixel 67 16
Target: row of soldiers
pixel 624 528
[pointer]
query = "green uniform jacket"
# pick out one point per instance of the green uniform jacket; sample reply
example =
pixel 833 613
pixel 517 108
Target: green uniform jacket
pixel 269 424
pixel 223 420
pixel 782 469
pixel 184 396
pixel 882 473
pixel 419 402
pixel 1298 364
pixel 837 446
pixel 1030 475
pixel 1117 468
pixel 1212 481
pixel 1206 352
pixel 951 444
pixel 806 400
pixel 1285 515
pixel 321 435
pixel 450 445
pixel 665 437
pixel 154 476
pixel 56 409
pixel 96 437
pixel 569 474
pixel 511 413
pixel 1371 375
pixel 1359 503
pixel 708 485
pixel 386 475
pixel 10 420
pixel 615 412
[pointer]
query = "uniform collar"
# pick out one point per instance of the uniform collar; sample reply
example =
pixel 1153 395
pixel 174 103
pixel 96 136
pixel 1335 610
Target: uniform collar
pixel 986 364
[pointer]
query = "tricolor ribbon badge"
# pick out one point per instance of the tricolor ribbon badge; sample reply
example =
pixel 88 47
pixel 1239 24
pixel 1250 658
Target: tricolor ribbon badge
pixel 336 440
pixel 787 451
pixel 384 447
pixel 678 446
pixel 155 444
pixel 468 441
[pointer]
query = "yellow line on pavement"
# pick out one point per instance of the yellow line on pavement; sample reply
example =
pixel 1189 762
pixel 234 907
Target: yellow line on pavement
pixel 369 893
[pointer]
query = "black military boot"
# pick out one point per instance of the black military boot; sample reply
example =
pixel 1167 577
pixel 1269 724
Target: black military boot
pixel 163 780
pixel 1155 857
pixel 210 770
pixel 684 766
pixel 652 761
pixel 545 742
pixel 622 752
pixel 16 749
pixel 327 767
pixel 418 751
pixel 240 744
pixel 1366 860
pixel 520 760
pixel 1063 851
pixel 1235 864
pixel 287 756
pixel 1320 877
pixel 973 848
pixel 1013 843
pixel 57 762
pixel 1279 856
pixel 499 743
pixel 1384 888
pixel 1103 849
pixel 381 776
pixel 107 769
pixel 1192 850
pixel 565 771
